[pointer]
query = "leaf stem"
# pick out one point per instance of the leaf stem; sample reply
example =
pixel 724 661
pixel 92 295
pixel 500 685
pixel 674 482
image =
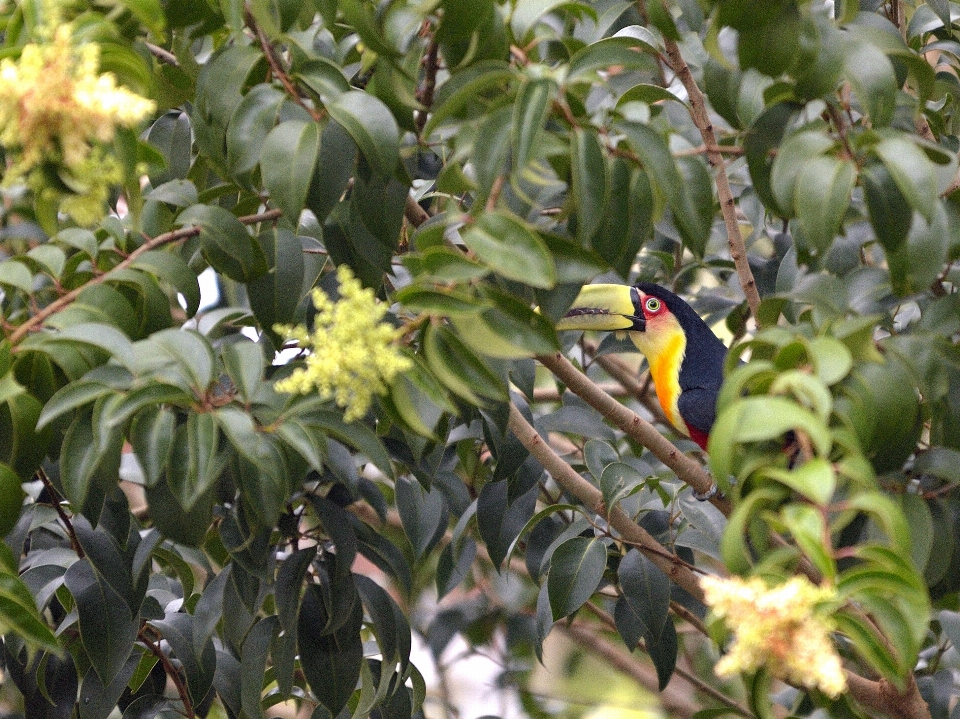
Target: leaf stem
pixel 151 244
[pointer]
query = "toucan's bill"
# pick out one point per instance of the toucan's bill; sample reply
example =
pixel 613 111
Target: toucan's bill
pixel 605 308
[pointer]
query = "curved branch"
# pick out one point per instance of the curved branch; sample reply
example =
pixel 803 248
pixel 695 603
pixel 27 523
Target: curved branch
pixel 165 239
pixel 635 426
pixel 698 111
pixel 563 474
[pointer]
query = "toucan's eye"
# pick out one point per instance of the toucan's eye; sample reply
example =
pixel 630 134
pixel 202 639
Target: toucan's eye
pixel 652 304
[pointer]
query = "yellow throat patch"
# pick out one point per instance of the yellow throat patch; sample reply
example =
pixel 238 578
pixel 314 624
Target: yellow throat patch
pixel 664 345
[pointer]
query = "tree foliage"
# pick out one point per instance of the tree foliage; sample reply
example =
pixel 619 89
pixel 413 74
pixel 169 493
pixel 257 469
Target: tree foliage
pixel 790 167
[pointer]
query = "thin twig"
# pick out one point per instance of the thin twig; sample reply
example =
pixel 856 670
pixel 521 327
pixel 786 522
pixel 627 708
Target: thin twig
pixel 162 54
pixel 168 667
pixel 701 118
pixel 64 517
pixel 676 701
pixel 277 68
pixel 165 239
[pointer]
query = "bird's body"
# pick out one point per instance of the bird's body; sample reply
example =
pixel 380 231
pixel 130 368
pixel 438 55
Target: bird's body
pixel 686 358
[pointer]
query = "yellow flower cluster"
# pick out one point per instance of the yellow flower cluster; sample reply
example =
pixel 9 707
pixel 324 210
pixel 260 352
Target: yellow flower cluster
pixel 56 112
pixel 781 628
pixel 353 355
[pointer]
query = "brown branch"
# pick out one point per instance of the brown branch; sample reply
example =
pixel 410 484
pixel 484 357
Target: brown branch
pixel 565 476
pixel 168 668
pixel 881 696
pixel 276 66
pixel 162 54
pixel 701 118
pixel 415 214
pixel 165 239
pixel 425 93
pixel 701 685
pixel 64 517
pixel 701 149
pixel 636 427
pixel 675 700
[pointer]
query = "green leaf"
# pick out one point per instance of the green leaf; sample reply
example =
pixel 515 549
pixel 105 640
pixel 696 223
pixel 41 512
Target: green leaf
pixel 791 159
pixel 646 597
pixel 276 294
pixel 151 436
pixel 459 369
pixel 873 80
pixel 758 419
pixel 244 363
pixel 821 198
pixel 253 665
pixel 249 126
pixel 179 193
pixel 197 667
pixel 199 439
pixel 69 397
pixel 618 481
pixel 590 184
pixel 11 500
pixel 464 87
pixel 287 162
pixel 331 663
pixel 814 479
pixel 808 528
pixel 530 112
pixel 626 51
pixel 509 329
pixel 917 263
pixel 170 268
pixel 226 244
pixel 372 127
pixel 423 514
pixel 510 247
pixel 108 628
pixel 912 171
pixel 18 609
pixel 15 274
pixel 576 569
pixel 190 351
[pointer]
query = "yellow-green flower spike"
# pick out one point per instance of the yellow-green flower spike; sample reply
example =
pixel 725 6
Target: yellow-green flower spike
pixel 353 355
pixel 782 629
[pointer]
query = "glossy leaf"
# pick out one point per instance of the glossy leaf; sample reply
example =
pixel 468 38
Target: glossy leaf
pixel 575 571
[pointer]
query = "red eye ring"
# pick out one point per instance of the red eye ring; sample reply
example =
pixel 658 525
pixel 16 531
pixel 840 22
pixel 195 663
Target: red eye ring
pixel 652 304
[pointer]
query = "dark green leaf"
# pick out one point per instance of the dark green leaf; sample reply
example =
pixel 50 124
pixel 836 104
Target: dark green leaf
pixel 108 627
pixel 227 245
pixel 330 662
pixel 510 247
pixel 530 112
pixel 575 571
pixel 287 163
pixel 372 127
pixel 590 184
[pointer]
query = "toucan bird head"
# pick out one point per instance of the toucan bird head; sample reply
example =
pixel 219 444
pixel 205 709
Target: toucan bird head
pixel 641 308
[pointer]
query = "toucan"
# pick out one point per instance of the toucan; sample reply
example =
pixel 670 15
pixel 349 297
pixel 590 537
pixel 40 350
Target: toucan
pixel 686 358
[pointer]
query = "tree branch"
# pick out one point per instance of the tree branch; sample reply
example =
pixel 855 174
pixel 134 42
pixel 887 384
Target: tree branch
pixel 674 700
pixel 168 668
pixel 165 239
pixel 698 111
pixel 636 427
pixel 564 475
pixel 276 66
